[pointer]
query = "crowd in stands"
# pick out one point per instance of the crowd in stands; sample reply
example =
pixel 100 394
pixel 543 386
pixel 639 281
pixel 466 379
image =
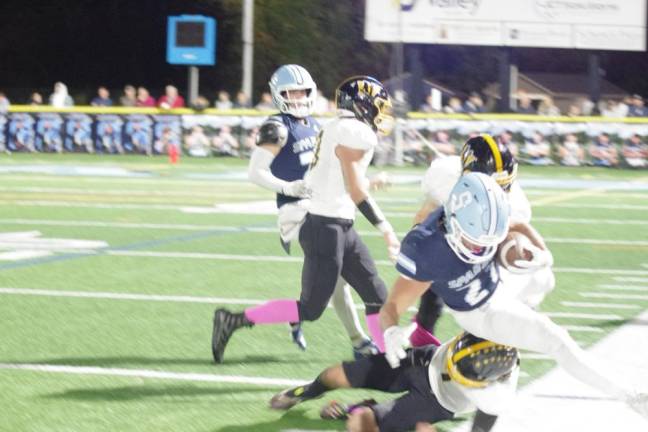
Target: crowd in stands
pixel 533 147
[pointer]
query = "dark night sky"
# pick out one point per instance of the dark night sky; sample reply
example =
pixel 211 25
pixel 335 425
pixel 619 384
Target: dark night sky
pixel 86 43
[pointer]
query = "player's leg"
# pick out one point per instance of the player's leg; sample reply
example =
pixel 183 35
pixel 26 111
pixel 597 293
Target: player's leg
pixel 322 243
pixel 359 270
pixel 530 288
pixel 346 311
pixel 430 307
pixel 510 322
pixel 483 422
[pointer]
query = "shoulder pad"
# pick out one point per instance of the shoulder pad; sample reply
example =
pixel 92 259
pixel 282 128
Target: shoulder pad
pixel 272 131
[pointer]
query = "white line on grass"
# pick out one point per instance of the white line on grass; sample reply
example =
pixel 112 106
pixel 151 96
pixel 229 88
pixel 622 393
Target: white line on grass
pixel 615 296
pixel 583 316
pixel 152 374
pixel 581 221
pixel 624 287
pixel 630 279
pixel 587 329
pixel 589 305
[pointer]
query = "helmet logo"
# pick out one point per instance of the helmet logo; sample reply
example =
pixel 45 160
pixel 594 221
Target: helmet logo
pixel 369 88
pixel 459 201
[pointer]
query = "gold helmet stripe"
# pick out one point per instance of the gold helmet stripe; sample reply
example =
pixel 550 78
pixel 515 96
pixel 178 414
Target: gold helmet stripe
pixel 499 165
pixel 471 349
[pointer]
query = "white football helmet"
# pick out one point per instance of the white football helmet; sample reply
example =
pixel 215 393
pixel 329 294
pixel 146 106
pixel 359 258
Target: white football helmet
pixel 293 77
pixel 476 217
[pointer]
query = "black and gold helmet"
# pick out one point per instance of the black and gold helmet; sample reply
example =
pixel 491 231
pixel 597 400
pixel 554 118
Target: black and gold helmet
pixel 475 362
pixel 367 98
pixel 483 154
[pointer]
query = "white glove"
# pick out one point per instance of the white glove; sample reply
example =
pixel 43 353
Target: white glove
pixel 297 188
pixel 379 181
pixel 396 340
pixel 539 259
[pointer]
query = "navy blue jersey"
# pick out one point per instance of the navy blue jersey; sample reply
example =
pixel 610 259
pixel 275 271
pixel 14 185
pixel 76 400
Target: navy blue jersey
pixel 295 156
pixel 426 256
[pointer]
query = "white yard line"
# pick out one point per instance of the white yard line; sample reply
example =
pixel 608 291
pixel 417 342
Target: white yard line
pixel 589 305
pixel 583 316
pixel 586 329
pixel 615 296
pixel 630 279
pixel 581 221
pixel 624 287
pixel 152 374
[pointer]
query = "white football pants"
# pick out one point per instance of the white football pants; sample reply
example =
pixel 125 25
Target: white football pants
pixel 508 321
pixel 529 288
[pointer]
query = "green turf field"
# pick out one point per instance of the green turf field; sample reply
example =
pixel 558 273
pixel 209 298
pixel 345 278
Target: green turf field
pixel 122 327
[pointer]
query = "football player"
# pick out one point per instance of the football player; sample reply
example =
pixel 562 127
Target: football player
pixel 452 253
pixel 482 153
pixel 283 153
pixel 440 381
pixel 332 247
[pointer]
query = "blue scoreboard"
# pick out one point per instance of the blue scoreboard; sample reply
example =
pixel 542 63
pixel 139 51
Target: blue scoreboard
pixel 191 40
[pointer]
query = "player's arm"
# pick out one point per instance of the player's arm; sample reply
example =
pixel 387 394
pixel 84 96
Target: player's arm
pixel 530 232
pixel 356 186
pixel 428 207
pixel 540 256
pixel 271 138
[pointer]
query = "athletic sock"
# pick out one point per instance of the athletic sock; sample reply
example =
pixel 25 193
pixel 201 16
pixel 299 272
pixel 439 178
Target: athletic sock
pixel 274 311
pixel 314 389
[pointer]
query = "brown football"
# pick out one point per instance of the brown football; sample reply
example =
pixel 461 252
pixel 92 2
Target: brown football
pixel 512 249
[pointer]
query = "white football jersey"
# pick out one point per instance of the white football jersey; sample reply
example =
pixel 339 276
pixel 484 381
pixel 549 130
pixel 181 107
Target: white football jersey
pixel 444 172
pixel 330 197
pixel 494 399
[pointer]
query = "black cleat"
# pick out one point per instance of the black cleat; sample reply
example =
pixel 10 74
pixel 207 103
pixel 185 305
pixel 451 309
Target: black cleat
pixel 298 336
pixel 225 322
pixel 287 399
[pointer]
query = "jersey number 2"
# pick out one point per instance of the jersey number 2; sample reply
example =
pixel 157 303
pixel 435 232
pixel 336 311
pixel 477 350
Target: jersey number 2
pixel 475 293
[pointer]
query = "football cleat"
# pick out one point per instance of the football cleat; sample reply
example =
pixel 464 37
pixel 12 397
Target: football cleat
pixel 288 398
pixel 639 403
pixel 366 348
pixel 298 336
pixel 225 323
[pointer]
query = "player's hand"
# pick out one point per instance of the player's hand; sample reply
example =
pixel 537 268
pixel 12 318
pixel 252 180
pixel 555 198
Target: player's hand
pixel 297 188
pixel 396 339
pixel 540 258
pixel 393 245
pixel 379 181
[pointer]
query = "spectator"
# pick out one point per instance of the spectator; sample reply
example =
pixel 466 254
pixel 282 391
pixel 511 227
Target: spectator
pixel 635 152
pixel 613 109
pixel 201 103
pixel 428 105
pixel 223 102
pixel 474 104
pixel 36 99
pixel 197 143
pixel 571 153
pixel 413 149
pixel 547 107
pixel 537 150
pixel 637 109
pixel 167 139
pixel 102 98
pixel 60 97
pixel 400 104
pixel 144 99
pixel 574 111
pixel 442 143
pixel 242 100
pixel 603 152
pixel 322 105
pixel 225 144
pixel 524 104
pixel 454 106
pixel 249 142
pixel 171 98
pixel 4 103
pixel 506 139
pixel 129 98
pixel 265 104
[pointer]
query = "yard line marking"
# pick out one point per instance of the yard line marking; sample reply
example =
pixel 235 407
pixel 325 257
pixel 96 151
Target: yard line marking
pixel 527 355
pixel 624 287
pixel 599 305
pixel 581 221
pixel 134 192
pixel 583 315
pixel 615 296
pixel 153 374
pixel 268 230
pixel 600 206
pixel 200 255
pixel 587 329
pixel 629 279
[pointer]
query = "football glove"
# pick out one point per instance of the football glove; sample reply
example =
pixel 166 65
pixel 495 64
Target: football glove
pixel 297 188
pixel 396 339
pixel 539 259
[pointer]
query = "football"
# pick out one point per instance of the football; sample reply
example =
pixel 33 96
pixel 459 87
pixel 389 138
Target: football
pixel 515 247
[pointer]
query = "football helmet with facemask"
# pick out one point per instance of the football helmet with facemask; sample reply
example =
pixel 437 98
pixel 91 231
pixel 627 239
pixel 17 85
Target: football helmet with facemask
pixel 475 362
pixel 476 217
pixel 293 77
pixel 368 100
pixel 484 154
